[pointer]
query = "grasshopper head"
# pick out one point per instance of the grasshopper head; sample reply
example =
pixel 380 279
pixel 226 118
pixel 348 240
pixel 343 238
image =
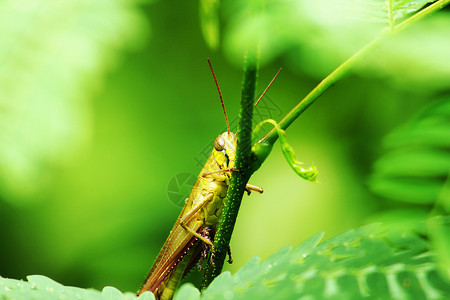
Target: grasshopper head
pixel 225 150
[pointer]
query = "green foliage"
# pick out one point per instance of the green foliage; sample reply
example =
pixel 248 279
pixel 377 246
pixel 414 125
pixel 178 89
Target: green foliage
pixel 40 287
pixel 53 55
pixel 439 231
pixel 416 162
pixel 372 261
pixel 303 32
pixel 414 170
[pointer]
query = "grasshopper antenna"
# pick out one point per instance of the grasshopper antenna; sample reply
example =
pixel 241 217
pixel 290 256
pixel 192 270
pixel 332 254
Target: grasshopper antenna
pixel 220 96
pixel 270 83
pixel 267 87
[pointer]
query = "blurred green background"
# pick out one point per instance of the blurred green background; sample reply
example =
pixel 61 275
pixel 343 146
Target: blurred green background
pixel 103 103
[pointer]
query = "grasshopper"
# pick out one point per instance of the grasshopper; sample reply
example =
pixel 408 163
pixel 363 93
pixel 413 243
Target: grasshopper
pixel 197 223
pixel 197 220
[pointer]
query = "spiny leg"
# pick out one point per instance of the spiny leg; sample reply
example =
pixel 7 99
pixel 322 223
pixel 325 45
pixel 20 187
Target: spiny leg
pixel 206 233
pixel 200 237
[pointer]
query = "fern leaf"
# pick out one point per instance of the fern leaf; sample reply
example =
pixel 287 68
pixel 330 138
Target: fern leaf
pixel 371 261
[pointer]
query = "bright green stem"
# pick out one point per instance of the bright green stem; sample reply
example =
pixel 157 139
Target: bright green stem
pixel 345 68
pixel 239 178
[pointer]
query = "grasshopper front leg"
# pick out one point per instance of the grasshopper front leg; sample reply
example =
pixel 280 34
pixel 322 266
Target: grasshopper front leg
pixel 248 187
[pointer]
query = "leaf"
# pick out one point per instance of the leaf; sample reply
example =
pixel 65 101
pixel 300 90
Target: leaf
pixel 440 240
pixel 187 292
pixel 416 163
pixel 41 287
pixel 373 261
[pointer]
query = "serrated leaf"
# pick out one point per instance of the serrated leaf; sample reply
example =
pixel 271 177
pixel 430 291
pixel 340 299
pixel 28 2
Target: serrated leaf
pixel 41 287
pixel 146 296
pixel 43 281
pixel 187 292
pixel 110 292
pixel 372 261
pixel 219 286
pixel 249 267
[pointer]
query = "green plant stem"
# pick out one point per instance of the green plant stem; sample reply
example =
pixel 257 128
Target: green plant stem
pixel 239 178
pixel 346 67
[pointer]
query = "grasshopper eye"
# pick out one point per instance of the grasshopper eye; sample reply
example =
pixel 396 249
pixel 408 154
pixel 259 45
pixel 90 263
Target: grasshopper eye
pixel 219 143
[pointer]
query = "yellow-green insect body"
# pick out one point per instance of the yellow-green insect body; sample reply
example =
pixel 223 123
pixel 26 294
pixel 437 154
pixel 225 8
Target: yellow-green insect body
pixel 201 213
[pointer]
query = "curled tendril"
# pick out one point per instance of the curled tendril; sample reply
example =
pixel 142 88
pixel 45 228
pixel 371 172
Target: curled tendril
pixel 309 174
